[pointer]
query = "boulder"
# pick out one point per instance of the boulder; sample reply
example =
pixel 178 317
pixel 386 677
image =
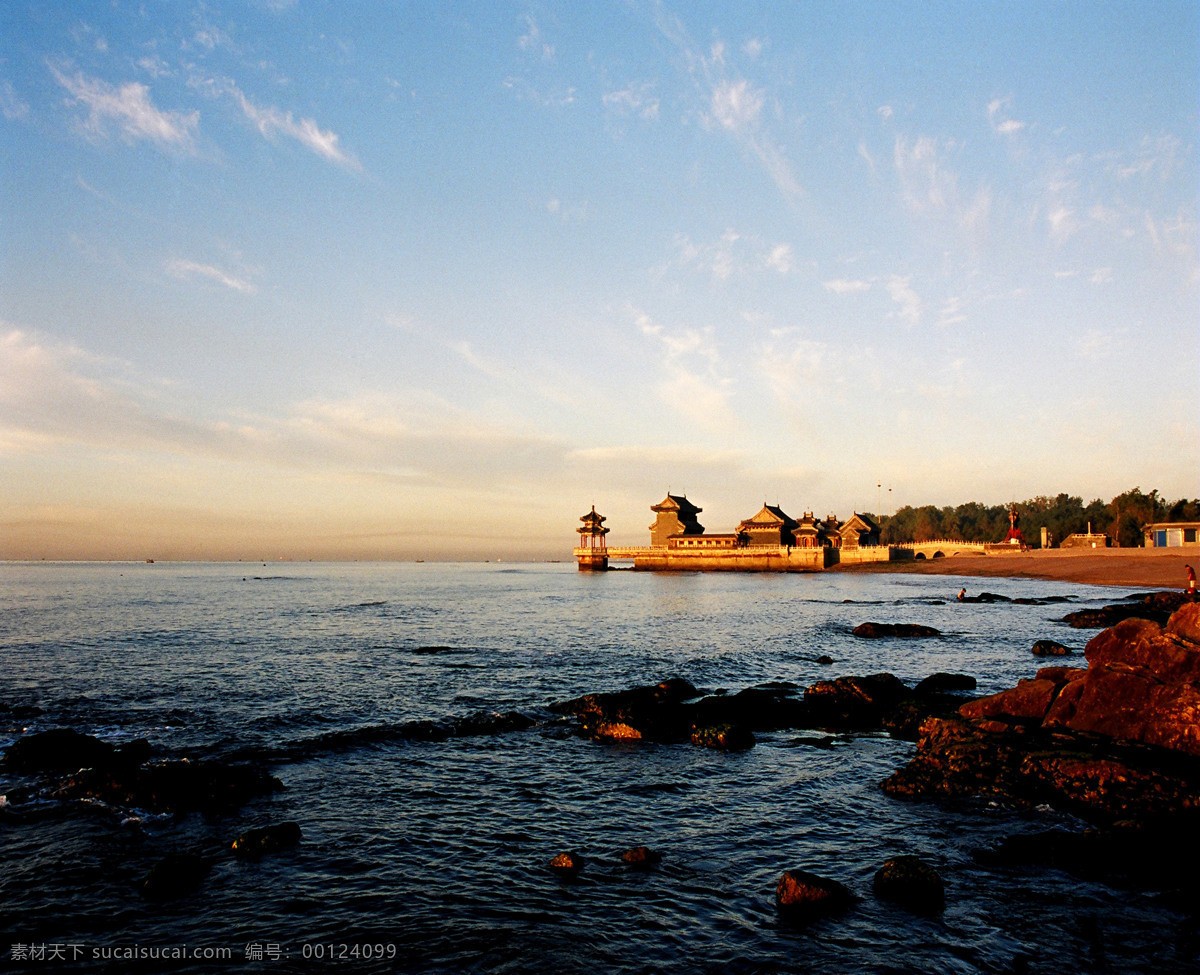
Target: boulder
pixel 567 864
pixel 942 683
pixel 873 631
pixel 655 712
pixel 57 750
pixel 853 702
pixel 267 839
pixel 174 876
pixel 641 858
pixel 1117 741
pixel 800 894
pixel 175 786
pixel 1050 648
pixel 726 737
pixel 912 883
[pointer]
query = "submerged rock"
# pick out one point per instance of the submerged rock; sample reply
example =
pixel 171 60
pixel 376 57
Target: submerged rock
pixel 655 712
pixel 873 631
pixel 56 750
pixel 568 864
pixel 727 737
pixel 266 839
pixel 176 786
pixel 641 858
pixel 1155 606
pixel 174 876
pixel 912 883
pixel 800 894
pixel 854 702
pixel 1050 648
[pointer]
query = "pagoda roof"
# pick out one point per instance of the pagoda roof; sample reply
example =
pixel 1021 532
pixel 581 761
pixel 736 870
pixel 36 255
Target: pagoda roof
pixel 676 502
pixel 771 516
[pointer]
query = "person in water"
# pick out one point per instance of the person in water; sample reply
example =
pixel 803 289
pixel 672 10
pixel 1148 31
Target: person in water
pixel 962 594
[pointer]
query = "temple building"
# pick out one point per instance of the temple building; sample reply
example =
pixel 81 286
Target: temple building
pixel 859 531
pixel 592 552
pixel 675 515
pixel 771 526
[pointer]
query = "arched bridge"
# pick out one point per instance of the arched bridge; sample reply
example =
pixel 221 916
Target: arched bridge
pixel 943 548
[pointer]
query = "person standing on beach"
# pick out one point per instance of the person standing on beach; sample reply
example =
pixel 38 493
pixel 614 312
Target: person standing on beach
pixel 1191 581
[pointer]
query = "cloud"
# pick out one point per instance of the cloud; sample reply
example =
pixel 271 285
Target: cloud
pixel 1102 275
pixel 270 120
pixel 692 383
pixel 906 298
pixel 951 313
pixel 927 185
pixel 1063 223
pixel 733 255
pixel 844 286
pixel 997 112
pixel 780 258
pixel 12 107
pixel 737 105
pixel 129 108
pixel 635 100
pixel 532 41
pixel 185 269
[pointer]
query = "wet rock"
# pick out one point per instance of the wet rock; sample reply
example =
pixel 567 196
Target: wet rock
pixel 726 737
pixel 912 883
pixel 265 840
pixel 641 858
pixel 873 631
pixel 800 894
pixel 853 702
pixel 986 597
pixel 175 786
pixel 1120 854
pixel 1117 741
pixel 1155 606
pixel 174 876
pixel 765 707
pixel 1050 648
pixel 825 660
pixel 20 712
pixel 943 683
pixel 568 864
pixel 655 712
pixel 57 750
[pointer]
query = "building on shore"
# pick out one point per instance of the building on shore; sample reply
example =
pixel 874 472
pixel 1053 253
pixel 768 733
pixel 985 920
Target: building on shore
pixel 769 541
pixel 1171 534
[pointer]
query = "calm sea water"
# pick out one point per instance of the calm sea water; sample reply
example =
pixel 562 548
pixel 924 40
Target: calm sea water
pixel 437 851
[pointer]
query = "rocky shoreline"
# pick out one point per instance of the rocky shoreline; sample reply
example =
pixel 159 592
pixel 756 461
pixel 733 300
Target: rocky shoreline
pixel 1115 743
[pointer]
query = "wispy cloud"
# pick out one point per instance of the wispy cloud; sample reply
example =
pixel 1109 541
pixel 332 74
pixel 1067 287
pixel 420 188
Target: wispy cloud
pixel 927 184
pixel 908 301
pixel 692 383
pixel 271 121
pixel 633 100
pixel 999 117
pixel 846 286
pixel 12 106
pixel 128 107
pixel 187 269
pixel 733 255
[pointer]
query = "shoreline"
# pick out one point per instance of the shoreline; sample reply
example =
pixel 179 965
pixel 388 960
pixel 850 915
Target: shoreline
pixel 1159 568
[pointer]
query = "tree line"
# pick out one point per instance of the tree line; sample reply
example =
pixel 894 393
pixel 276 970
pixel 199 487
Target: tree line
pixel 1121 519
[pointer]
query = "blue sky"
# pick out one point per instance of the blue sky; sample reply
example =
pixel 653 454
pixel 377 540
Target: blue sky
pixel 427 280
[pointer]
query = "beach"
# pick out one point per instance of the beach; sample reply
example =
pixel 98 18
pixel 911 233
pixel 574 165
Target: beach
pixel 1157 568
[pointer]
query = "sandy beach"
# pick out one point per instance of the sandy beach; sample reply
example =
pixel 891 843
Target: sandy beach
pixel 1152 568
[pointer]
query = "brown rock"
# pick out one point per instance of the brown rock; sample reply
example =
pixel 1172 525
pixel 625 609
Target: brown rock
pixel 872 631
pixel 803 894
pixel 641 858
pixel 910 882
pixel 1028 701
pixel 1185 623
pixel 567 864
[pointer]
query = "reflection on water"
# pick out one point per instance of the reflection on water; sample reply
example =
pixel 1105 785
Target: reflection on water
pixel 441 847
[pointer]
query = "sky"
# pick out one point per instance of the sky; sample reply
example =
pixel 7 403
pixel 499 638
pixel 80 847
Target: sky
pixel 358 280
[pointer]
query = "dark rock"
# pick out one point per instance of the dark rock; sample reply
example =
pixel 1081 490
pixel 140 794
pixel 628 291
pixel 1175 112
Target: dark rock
pixel 726 737
pixel 942 683
pixel 910 882
pixel 1050 648
pixel 800 894
pixel 1159 857
pixel 176 786
pixel 568 864
pixel 57 750
pixel 873 631
pixel 654 712
pixel 853 702
pixel 641 858
pixel 825 659
pixel 20 711
pixel 174 876
pixel 266 839
pixel 1156 607
pixel 767 707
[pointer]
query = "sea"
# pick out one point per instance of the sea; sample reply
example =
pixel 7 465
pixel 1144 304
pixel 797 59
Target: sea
pixel 433 855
